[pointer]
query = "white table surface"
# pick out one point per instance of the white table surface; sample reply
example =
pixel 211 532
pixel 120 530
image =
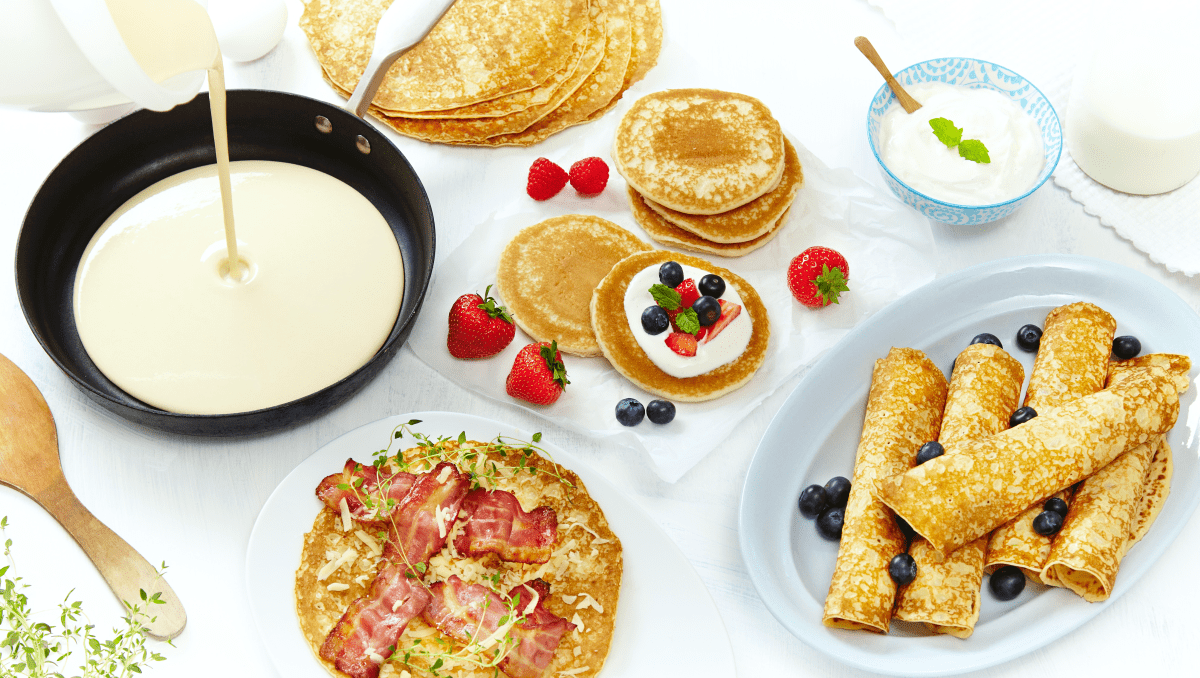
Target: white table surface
pixel 191 502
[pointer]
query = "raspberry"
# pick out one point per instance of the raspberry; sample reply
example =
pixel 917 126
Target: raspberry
pixel 545 179
pixel 589 176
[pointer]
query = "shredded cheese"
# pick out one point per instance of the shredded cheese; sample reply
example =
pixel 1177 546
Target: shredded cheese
pixel 572 672
pixel 348 556
pixel 589 601
pixel 577 651
pixel 335 586
pixel 441 514
pixel 347 522
pixel 578 622
pixel 569 600
pixel 367 539
pixel 597 540
pixel 445 473
pixel 375 656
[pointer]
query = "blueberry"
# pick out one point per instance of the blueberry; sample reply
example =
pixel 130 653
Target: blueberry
pixel 711 285
pixel 905 529
pixel 829 523
pixel 929 450
pixel 1029 337
pixel 1022 415
pixel 708 310
pixel 630 412
pixel 813 500
pixel 655 320
pixel 670 274
pixel 987 338
pixel 1126 347
pixel 838 489
pixel 1057 505
pixel 1047 523
pixel 903 569
pixel 660 411
pixel 1007 583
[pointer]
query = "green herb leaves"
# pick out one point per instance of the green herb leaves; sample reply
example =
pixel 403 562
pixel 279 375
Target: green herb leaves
pixel 970 149
pixel 688 321
pixel 666 297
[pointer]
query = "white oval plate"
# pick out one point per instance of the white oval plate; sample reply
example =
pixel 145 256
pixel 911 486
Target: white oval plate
pixel 667 623
pixel 814 435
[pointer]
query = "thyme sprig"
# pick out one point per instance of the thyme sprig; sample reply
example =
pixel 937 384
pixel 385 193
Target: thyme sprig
pixel 37 649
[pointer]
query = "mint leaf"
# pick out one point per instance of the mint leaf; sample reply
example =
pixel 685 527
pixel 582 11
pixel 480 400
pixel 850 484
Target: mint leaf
pixel 973 149
pixel 946 132
pixel 666 297
pixel 688 321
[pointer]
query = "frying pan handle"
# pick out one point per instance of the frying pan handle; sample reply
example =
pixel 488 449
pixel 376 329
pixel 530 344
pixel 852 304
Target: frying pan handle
pixel 404 24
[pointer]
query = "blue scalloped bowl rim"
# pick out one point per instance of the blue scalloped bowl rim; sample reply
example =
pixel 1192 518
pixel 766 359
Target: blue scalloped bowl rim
pixel 1049 125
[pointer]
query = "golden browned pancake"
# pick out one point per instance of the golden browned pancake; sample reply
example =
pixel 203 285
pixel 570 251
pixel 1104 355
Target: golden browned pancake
pixel 699 151
pixel 480 50
pixel 547 273
pixel 666 233
pixel 1154 494
pixel 587 560
pixel 647 34
pixel 745 223
pixel 622 350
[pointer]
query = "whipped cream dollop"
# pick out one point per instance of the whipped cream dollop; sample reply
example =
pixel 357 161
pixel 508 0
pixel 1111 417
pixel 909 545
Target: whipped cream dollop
pixel 725 348
pixel 915 155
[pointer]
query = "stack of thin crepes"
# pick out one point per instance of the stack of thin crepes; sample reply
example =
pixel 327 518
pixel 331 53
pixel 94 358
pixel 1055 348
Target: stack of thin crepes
pixel 1098 440
pixel 493 72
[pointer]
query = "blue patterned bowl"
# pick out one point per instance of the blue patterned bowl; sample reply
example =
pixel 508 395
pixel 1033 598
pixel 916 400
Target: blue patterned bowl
pixel 967 73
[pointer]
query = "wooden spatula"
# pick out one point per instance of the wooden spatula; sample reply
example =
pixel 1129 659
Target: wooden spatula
pixel 29 463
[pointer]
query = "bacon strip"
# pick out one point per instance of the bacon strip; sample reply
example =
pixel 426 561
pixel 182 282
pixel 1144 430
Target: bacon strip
pixel 473 613
pixel 362 484
pixel 368 631
pixel 496 523
pixel 420 524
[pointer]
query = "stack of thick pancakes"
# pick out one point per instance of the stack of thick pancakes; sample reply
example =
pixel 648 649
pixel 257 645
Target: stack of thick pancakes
pixel 708 171
pixel 564 279
pixel 494 72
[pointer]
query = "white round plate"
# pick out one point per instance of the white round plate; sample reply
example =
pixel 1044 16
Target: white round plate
pixel 814 435
pixel 666 624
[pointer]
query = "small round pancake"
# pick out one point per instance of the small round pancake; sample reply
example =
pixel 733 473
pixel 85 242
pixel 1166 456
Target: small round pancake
pixel 666 233
pixel 622 350
pixel 748 222
pixel 548 271
pixel 699 151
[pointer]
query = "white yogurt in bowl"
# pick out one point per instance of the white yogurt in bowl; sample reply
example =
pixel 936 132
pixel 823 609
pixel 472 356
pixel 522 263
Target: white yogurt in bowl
pixel 725 348
pixel 916 156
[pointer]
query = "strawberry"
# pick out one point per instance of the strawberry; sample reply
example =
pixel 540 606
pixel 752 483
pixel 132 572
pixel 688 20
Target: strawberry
pixel 538 374
pixel 687 290
pixel 545 179
pixel 589 176
pixel 478 327
pixel 817 276
pixel 729 311
pixel 682 343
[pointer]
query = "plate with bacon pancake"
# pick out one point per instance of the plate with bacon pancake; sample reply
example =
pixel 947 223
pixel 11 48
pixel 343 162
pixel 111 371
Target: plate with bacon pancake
pixel 442 544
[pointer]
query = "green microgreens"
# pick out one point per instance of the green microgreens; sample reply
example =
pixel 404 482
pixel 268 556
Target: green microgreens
pixel 493 309
pixel 970 149
pixel 485 653
pixel 35 649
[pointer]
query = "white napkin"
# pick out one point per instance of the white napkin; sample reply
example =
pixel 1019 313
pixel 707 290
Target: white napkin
pixel 1043 42
pixel 889 248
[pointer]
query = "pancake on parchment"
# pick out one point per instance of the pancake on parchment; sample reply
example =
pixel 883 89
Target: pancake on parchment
pixel 750 221
pixel 699 151
pixel 666 233
pixel 584 572
pixel 547 273
pixel 622 350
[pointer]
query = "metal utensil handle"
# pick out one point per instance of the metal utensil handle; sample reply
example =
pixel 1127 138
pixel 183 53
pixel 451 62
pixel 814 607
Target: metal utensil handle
pixel 404 24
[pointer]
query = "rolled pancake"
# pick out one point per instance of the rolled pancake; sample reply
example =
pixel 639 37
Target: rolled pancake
pixel 984 390
pixel 1071 362
pixel 904 411
pixel 1087 551
pixel 1154 495
pixel 963 495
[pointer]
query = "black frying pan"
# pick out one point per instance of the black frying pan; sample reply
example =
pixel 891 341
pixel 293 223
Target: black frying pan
pixel 145 147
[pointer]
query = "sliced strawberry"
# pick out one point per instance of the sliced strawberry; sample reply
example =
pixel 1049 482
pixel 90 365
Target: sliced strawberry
pixel 729 311
pixel 687 290
pixel 682 343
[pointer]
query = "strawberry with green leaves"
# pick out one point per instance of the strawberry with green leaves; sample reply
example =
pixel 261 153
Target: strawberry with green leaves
pixel 479 327
pixel 817 276
pixel 538 374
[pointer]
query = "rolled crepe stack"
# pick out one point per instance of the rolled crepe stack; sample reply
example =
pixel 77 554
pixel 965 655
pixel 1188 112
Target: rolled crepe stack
pixel 1071 362
pixel 1100 525
pixel 979 485
pixel 904 411
pixel 984 391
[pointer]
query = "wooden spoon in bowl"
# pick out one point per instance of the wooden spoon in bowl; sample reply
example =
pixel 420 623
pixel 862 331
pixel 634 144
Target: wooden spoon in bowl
pixel 29 463
pixel 910 104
